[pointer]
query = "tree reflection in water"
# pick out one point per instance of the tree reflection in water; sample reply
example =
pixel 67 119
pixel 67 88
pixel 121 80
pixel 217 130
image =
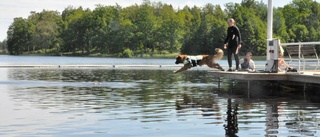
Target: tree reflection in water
pixel 153 101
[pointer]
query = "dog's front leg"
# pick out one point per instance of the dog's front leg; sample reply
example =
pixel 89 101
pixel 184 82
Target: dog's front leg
pixel 218 66
pixel 184 68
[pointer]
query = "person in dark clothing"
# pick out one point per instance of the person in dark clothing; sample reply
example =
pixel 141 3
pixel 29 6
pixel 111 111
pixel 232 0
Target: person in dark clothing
pixel 232 43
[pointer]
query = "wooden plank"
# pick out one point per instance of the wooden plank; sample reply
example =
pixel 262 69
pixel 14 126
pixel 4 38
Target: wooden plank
pixel 292 50
pixel 308 50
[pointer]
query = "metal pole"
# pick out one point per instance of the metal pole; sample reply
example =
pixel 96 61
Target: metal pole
pixel 269 27
pixel 299 54
pixel 270 19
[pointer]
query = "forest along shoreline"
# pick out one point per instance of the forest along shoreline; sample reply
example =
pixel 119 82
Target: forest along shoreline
pixel 157 28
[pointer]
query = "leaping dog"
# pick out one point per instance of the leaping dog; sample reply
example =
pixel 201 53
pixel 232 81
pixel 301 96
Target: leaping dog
pixel 199 60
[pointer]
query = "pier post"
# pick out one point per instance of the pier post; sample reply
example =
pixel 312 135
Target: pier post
pixel 231 85
pixel 248 88
pixel 304 91
pixel 219 83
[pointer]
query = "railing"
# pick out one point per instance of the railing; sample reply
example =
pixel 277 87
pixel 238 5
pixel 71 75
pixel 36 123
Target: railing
pixel 300 54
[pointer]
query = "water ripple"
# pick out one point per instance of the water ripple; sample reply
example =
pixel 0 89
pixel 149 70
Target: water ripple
pixel 144 103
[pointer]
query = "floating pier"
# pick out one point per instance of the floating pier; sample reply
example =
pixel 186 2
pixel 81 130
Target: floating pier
pixel 306 76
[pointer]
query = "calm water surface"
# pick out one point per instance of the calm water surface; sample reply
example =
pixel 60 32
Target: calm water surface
pixel 144 103
pixel 57 60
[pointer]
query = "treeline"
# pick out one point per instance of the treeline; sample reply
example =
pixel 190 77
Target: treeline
pixel 3 47
pixel 158 28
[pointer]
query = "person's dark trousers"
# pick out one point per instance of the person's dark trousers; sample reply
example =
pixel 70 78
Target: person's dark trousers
pixel 232 50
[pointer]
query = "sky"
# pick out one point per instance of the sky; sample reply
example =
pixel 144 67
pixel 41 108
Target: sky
pixel 11 9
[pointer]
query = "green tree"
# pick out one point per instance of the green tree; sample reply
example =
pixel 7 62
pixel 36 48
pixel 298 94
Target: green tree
pixel 73 31
pixel 259 9
pixel 18 36
pixel 279 26
pixel 145 23
pixel 210 33
pixel 167 29
pixel 190 42
pixel 155 27
pixel 302 20
pixel 107 27
pixel 3 46
pixel 45 30
pixel 217 30
pixel 299 33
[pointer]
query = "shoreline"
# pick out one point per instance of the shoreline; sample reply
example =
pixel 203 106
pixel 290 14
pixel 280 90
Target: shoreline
pixel 155 56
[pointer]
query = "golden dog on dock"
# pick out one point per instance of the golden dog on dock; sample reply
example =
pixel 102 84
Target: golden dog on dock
pixel 199 60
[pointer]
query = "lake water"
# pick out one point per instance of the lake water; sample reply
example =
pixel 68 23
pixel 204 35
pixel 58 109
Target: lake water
pixel 143 102
pixel 57 60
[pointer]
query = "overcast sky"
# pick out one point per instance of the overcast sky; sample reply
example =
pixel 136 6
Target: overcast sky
pixel 11 9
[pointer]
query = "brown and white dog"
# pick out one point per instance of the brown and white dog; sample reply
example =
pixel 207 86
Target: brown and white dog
pixel 193 61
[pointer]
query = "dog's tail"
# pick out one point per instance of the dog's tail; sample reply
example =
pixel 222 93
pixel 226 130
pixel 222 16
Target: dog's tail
pixel 219 54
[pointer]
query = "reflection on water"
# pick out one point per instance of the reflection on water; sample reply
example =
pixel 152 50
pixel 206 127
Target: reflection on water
pixel 115 102
pixel 232 119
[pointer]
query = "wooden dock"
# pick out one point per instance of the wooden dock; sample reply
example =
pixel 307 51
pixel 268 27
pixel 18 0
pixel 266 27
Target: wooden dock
pixel 305 77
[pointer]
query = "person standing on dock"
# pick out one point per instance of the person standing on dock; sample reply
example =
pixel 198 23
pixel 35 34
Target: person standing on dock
pixel 232 43
pixel 247 64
